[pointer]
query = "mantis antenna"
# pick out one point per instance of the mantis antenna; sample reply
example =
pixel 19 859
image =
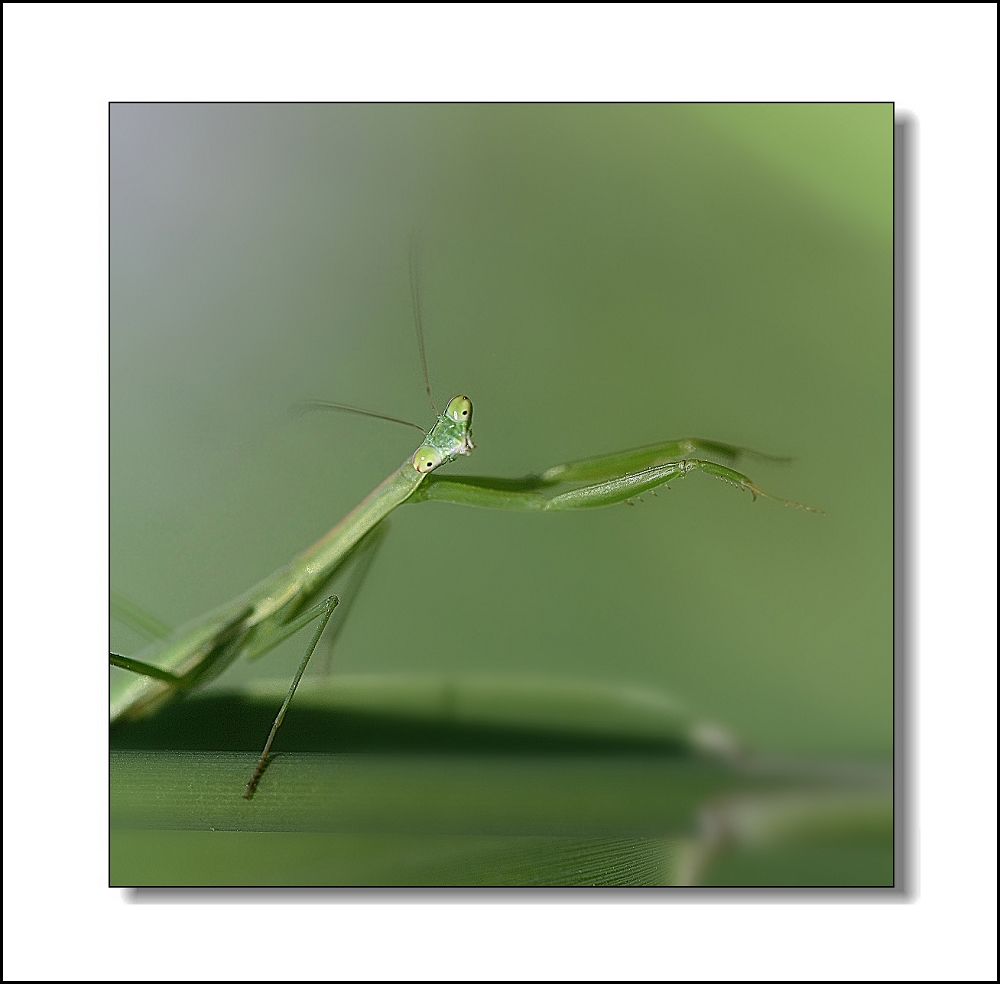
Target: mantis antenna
pixel 308 406
pixel 417 320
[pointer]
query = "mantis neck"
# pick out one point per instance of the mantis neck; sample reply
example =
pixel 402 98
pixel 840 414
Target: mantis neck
pixel 327 553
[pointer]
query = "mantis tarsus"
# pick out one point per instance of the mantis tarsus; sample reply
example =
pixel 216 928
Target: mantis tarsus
pixel 297 594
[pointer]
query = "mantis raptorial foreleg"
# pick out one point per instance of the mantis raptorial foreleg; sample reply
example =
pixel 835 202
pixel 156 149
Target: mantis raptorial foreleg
pixel 601 481
pixel 636 459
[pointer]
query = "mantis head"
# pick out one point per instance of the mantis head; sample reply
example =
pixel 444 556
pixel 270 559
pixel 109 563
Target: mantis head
pixel 448 438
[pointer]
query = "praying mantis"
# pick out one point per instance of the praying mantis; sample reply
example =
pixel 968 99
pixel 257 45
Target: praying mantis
pixel 298 594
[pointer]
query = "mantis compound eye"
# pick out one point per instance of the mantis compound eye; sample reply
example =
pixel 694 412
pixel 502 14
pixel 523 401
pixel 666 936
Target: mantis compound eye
pixel 426 458
pixel 460 410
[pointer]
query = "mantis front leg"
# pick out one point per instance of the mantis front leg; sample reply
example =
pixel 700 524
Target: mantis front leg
pixel 599 481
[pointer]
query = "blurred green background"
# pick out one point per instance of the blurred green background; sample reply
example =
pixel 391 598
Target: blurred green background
pixel 594 277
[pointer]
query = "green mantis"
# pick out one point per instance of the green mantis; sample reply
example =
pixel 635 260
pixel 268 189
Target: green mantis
pixel 299 593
